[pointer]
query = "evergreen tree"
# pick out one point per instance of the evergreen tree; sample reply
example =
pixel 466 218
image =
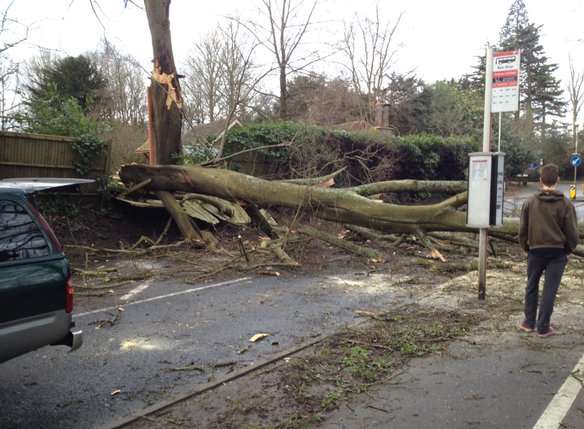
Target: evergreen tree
pixel 476 79
pixel 69 77
pixel 60 95
pixel 407 111
pixel 540 90
pixel 516 19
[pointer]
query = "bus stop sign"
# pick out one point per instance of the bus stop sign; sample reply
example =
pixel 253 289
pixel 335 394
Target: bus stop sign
pixel 575 160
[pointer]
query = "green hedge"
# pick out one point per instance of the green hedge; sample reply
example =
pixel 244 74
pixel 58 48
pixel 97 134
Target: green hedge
pixel 428 156
pixel 368 155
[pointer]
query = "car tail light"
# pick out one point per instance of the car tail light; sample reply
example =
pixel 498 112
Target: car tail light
pixel 48 230
pixel 69 295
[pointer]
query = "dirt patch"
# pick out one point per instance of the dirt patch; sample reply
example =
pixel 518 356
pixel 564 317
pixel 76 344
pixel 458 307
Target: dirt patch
pixel 93 221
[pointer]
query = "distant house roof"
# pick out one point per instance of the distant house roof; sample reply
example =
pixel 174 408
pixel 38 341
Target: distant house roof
pixel 215 128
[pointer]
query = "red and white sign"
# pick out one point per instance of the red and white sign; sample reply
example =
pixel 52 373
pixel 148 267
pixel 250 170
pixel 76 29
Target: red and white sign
pixel 505 93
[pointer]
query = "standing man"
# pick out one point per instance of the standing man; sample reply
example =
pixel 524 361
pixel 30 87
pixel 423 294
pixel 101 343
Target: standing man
pixel 548 231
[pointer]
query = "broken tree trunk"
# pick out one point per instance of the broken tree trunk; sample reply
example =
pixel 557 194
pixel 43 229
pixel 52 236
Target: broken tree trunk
pixel 164 91
pixel 180 217
pixel 165 106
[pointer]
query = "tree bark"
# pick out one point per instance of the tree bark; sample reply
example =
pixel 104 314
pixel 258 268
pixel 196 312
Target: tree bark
pixel 409 185
pixel 283 94
pixel 182 220
pixel 165 88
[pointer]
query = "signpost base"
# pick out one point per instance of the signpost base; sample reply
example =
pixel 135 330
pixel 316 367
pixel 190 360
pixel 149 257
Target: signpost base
pixel 482 264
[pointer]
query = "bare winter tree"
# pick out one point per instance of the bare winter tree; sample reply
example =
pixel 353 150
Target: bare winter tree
pixel 125 95
pixel 9 99
pixel 240 77
pixel 368 46
pixel 221 76
pixel 194 107
pixel 204 73
pixel 576 93
pixel 12 33
pixel 285 24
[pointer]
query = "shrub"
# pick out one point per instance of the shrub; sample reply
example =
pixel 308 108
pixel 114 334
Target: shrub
pixel 429 156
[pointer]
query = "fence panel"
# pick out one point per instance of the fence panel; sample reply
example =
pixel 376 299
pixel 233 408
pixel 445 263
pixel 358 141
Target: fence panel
pixel 38 155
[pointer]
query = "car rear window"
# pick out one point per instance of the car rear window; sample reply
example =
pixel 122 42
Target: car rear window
pixel 20 237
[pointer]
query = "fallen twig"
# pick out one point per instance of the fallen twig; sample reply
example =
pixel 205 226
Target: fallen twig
pixel 373 407
pixel 185 368
pixel 136 187
pixel 253 149
pixel 343 244
pixel 126 251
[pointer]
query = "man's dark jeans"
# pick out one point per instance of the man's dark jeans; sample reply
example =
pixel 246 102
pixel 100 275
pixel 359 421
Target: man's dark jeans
pixel 539 261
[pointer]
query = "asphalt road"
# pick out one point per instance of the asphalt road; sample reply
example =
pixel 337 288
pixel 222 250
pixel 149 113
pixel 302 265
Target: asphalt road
pixel 168 331
pixel 163 345
pixel 514 201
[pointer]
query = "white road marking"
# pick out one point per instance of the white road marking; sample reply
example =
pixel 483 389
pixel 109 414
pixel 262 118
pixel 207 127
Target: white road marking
pixel 561 403
pixel 136 291
pixel 157 298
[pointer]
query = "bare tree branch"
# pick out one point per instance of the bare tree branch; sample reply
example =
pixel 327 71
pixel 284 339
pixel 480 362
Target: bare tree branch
pixel 368 46
pixel 576 94
pixel 279 38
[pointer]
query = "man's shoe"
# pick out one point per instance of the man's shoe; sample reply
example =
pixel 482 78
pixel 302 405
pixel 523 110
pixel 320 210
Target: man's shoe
pixel 548 333
pixel 525 327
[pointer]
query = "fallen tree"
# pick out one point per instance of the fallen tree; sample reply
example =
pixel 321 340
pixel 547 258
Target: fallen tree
pixel 342 205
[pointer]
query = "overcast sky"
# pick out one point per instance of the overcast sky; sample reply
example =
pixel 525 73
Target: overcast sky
pixel 439 39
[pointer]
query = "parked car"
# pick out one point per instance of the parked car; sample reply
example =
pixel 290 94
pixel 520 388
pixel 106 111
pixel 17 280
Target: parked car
pixel 36 292
pixel 533 172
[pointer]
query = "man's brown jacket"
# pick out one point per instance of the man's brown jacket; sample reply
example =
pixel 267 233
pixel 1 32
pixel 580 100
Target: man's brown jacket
pixel 548 220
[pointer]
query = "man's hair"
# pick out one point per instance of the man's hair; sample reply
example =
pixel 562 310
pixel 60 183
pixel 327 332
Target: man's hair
pixel 549 174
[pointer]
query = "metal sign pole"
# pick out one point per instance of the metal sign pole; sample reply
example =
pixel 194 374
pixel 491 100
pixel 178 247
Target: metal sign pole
pixel 486 148
pixel 499 140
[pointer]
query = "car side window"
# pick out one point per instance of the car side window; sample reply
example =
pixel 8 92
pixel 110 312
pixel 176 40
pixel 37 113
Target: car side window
pixel 20 237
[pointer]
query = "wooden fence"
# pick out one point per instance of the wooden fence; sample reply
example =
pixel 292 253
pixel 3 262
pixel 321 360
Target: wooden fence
pixel 39 155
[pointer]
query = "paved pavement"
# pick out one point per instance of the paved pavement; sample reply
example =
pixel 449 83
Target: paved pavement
pixel 507 385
